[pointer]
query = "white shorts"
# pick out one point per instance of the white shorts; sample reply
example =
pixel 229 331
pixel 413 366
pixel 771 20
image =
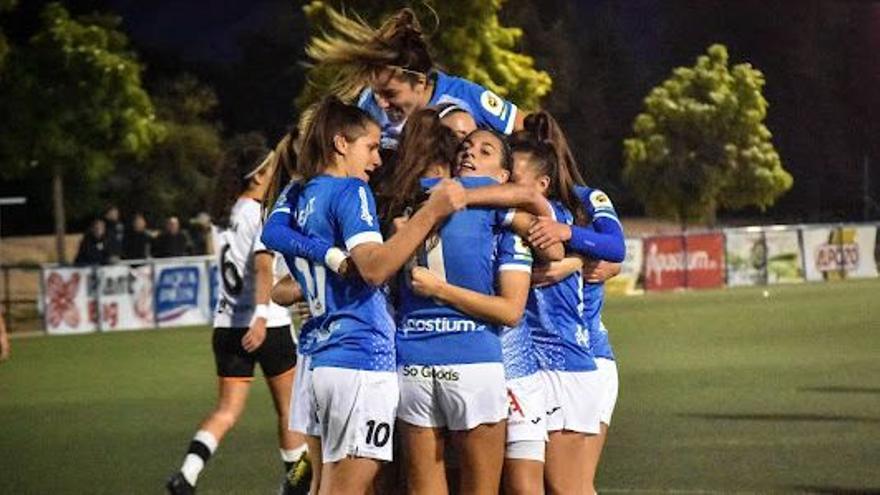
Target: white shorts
pixel 302 402
pixel 573 400
pixel 526 418
pixel 458 397
pixel 608 372
pixel 355 410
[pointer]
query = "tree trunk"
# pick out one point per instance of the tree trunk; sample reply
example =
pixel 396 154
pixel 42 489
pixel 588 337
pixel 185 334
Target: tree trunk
pixel 58 210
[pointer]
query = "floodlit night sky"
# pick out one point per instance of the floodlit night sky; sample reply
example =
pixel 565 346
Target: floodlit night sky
pixel 202 30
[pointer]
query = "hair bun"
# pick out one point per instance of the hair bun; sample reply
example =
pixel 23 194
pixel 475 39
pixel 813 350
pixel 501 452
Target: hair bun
pixel 406 21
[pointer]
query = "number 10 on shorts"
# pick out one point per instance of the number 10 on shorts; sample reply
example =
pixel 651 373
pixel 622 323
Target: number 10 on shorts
pixel 378 434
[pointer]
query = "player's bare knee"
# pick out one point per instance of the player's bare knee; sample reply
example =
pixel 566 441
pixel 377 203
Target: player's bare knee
pixel 227 417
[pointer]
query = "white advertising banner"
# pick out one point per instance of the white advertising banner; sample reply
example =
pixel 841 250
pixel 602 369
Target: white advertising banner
pixel 68 306
pixel 182 293
pixel 746 257
pixel 835 253
pixel 784 262
pixel 626 281
pixel 125 297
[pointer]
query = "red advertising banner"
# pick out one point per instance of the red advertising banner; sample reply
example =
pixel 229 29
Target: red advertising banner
pixel 674 262
pixel 705 253
pixel 664 263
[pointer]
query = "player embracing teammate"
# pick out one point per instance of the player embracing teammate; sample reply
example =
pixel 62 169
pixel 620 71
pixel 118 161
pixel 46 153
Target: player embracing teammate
pixel 455 326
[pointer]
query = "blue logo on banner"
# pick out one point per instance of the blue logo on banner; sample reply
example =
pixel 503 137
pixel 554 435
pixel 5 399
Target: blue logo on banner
pixel 214 284
pixel 177 292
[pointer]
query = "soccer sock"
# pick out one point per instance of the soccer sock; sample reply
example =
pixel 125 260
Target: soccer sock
pixel 290 456
pixel 200 449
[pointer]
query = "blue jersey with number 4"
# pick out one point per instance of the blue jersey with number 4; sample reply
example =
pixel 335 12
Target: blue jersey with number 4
pixel 468 251
pixel 353 328
pixel 488 109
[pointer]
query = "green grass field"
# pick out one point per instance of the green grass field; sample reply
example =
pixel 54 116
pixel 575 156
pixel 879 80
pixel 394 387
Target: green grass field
pixel 721 391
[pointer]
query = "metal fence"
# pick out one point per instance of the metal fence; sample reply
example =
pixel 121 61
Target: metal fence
pixel 182 291
pixel 20 296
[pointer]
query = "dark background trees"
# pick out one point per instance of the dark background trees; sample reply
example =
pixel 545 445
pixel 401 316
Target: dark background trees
pixel 821 61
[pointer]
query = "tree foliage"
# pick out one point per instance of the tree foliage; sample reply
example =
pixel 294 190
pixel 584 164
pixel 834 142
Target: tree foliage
pixel 176 176
pixel 72 99
pixel 466 38
pixel 4 44
pixel 71 104
pixel 701 143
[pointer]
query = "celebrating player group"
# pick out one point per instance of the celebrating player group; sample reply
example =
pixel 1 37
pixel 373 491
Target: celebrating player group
pixel 452 260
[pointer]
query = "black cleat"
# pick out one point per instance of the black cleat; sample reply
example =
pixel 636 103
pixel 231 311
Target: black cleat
pixel 177 485
pixel 299 478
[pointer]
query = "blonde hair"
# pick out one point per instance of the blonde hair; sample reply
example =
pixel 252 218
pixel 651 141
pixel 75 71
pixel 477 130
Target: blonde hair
pixel 358 52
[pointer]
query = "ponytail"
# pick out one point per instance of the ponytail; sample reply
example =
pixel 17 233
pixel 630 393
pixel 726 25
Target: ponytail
pixel 358 52
pixel 543 138
pixel 285 162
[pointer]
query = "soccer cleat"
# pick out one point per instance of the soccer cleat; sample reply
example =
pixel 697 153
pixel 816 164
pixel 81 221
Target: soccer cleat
pixel 177 485
pixel 299 478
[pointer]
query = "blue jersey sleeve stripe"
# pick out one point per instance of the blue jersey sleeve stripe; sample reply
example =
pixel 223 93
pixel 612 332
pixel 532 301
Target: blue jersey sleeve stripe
pixel 511 121
pixel 281 209
pixel 363 238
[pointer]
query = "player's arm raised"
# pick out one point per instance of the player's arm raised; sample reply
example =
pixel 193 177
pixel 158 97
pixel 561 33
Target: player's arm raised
pixel 377 262
pixel 510 196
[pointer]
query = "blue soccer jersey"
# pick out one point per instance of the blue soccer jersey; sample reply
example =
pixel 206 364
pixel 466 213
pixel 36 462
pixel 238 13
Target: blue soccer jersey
pixel 488 109
pixel 601 239
pixel 518 351
pixel 281 234
pixel 467 251
pixel 554 314
pixel 352 326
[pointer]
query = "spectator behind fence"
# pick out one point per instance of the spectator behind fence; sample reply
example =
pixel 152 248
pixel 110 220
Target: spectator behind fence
pixel 172 241
pixel 137 243
pixel 115 233
pixel 93 247
pixel 200 233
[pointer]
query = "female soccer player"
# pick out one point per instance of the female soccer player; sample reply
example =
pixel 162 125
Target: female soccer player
pixel 603 242
pixel 354 383
pixel 280 236
pixel 555 322
pixel 449 358
pixel 394 63
pixel 248 328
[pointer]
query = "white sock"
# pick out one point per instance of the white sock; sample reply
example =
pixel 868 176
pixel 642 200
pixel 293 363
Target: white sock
pixel 293 455
pixel 201 448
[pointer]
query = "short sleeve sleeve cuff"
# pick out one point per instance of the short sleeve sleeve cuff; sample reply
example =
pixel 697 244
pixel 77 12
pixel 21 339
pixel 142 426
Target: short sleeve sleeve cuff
pixel 363 238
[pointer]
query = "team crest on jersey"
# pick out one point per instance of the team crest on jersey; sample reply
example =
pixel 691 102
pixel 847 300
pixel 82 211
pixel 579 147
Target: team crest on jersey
pixel 366 216
pixel 521 251
pixel 600 200
pixel 492 103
